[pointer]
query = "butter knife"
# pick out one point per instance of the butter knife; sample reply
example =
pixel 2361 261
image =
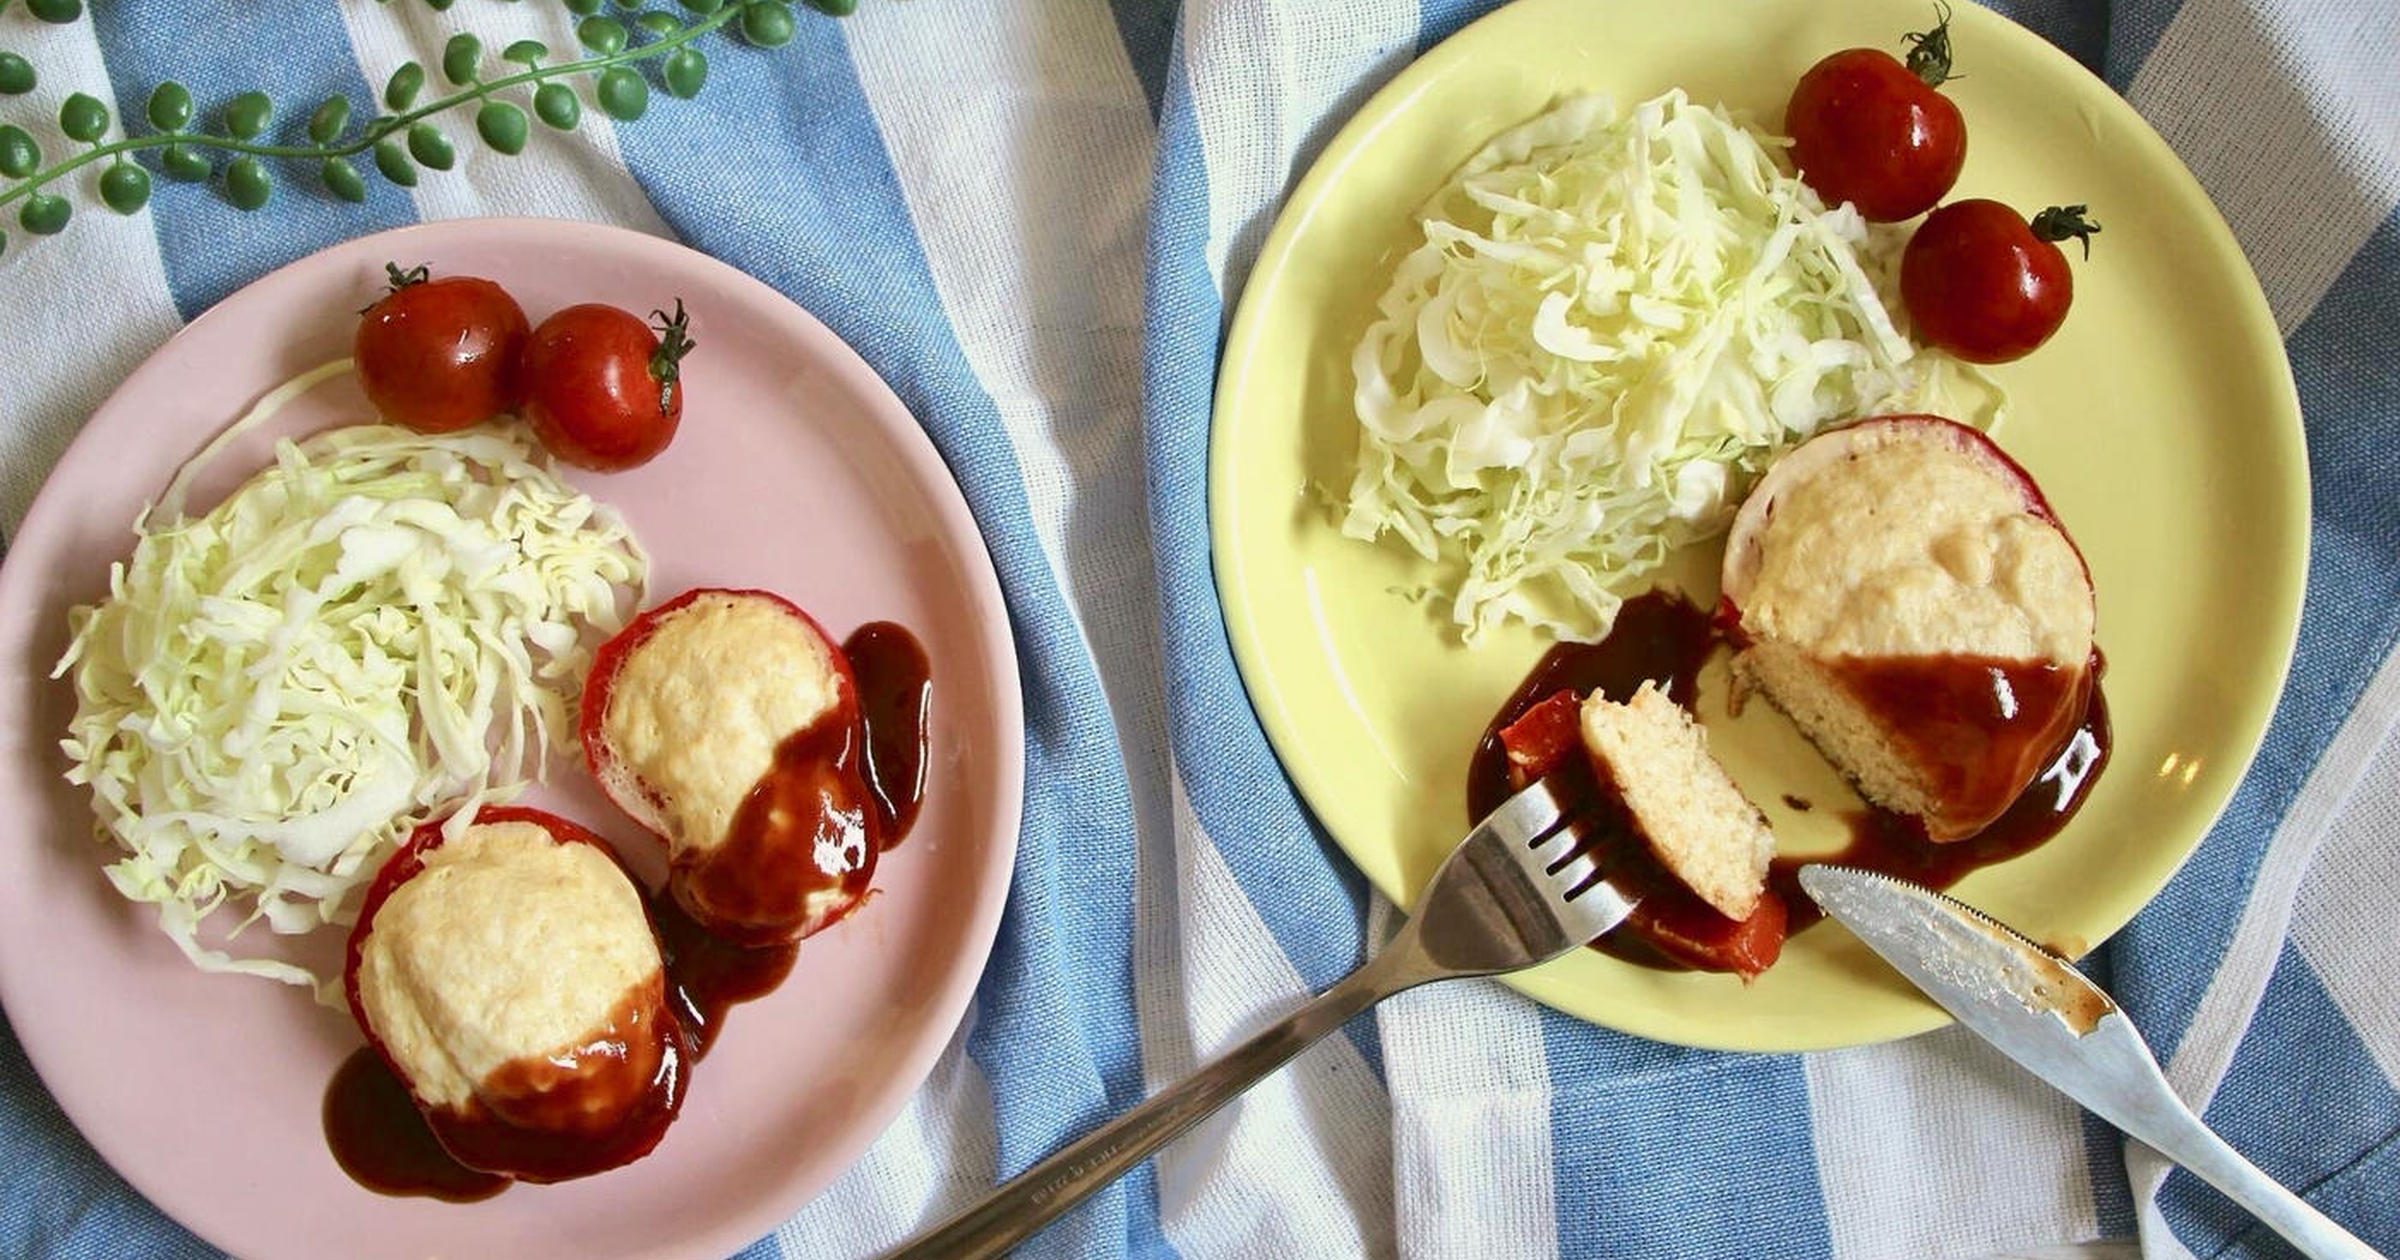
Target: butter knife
pixel 2042 1013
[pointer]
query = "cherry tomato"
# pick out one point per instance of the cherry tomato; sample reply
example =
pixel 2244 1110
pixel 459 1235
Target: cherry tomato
pixel 439 355
pixel 1870 131
pixel 602 390
pixel 1985 285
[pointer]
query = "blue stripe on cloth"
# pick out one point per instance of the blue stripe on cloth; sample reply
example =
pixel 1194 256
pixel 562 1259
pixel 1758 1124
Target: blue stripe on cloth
pixel 1675 1154
pixel 2350 396
pixel 764 1249
pixel 796 188
pixel 1438 20
pixel 2134 28
pixel 1312 900
pixel 63 1201
pixel 2328 1127
pixel 209 248
pixel 1148 29
pixel 2080 27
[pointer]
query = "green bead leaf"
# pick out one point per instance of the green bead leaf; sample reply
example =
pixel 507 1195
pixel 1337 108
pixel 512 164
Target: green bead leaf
pixel 659 23
pixel 392 161
pixel 557 105
pixel 767 23
pixel 603 35
pixel 400 91
pixel 438 6
pixel 525 52
pixel 56 12
pixel 45 215
pixel 502 126
pixel 83 118
pixel 685 73
pixel 836 8
pixel 461 57
pixel 246 183
pixel 125 187
pixel 170 107
pixel 428 145
pixel 16 75
pixel 183 162
pixel 623 94
pixel 19 155
pixel 3 242
pixel 583 8
pixel 342 179
pixel 325 125
pixel 702 7
pixel 246 115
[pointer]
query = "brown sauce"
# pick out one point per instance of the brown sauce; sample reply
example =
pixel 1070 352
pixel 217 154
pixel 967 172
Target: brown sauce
pixel 1886 842
pixel 895 697
pixel 801 850
pixel 1981 727
pixel 380 1137
pixel 706 975
pixel 590 1108
pixel 1662 637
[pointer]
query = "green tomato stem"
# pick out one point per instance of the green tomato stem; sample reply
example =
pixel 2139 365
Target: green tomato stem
pixel 380 127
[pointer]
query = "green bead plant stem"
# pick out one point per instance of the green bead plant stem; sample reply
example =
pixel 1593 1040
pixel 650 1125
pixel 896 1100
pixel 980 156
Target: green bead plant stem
pixel 393 128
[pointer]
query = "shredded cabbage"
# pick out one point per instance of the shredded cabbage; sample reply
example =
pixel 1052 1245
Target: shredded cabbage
pixel 1613 325
pixel 274 694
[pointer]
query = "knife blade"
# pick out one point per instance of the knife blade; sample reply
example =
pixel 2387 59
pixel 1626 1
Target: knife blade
pixel 2037 1009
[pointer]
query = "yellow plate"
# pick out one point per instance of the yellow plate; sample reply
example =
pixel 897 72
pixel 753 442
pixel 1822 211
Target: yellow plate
pixel 2161 422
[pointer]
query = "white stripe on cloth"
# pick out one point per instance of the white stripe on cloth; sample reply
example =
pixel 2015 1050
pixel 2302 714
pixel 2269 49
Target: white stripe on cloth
pixel 1022 143
pixel 939 1153
pixel 1470 1097
pixel 1899 1181
pixel 1298 1166
pixel 1270 79
pixel 108 304
pixel 2290 116
pixel 562 175
pixel 2350 899
pixel 2231 999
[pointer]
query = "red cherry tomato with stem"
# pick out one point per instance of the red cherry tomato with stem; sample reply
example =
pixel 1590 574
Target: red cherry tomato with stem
pixel 439 355
pixel 1985 285
pixel 603 390
pixel 1871 131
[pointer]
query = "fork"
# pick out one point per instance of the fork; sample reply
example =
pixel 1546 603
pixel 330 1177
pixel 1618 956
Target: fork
pixel 1521 889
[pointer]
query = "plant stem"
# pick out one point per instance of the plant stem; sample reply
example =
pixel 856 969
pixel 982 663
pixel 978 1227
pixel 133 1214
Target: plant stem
pixel 378 128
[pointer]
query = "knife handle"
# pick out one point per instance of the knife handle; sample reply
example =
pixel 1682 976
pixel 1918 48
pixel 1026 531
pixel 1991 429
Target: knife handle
pixel 2173 1131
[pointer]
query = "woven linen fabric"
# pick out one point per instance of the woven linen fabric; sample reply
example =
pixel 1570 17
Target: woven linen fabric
pixel 1032 219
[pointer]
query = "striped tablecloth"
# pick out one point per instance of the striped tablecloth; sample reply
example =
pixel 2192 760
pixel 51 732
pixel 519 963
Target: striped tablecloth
pixel 1029 217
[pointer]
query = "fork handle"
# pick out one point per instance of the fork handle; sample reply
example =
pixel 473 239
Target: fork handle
pixel 1035 1197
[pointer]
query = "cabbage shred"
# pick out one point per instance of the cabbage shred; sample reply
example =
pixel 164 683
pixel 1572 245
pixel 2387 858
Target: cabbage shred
pixel 1613 325
pixel 276 693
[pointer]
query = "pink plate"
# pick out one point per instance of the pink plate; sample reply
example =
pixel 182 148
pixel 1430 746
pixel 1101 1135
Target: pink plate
pixel 796 470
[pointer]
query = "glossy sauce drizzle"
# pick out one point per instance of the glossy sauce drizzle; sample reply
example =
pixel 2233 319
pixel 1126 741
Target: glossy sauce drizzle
pixel 895 698
pixel 1883 841
pixel 384 1142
